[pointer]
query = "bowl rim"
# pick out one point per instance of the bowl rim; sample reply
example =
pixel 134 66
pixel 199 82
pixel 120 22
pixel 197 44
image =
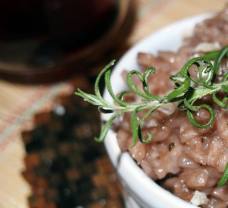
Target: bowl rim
pixel 132 176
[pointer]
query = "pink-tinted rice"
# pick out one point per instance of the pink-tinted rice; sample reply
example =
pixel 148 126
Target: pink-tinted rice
pixel 183 158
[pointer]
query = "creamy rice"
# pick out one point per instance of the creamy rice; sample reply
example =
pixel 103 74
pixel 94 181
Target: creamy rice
pixel 183 158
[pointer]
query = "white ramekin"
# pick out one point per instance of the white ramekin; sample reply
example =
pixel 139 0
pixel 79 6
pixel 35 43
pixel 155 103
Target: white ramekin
pixel 141 190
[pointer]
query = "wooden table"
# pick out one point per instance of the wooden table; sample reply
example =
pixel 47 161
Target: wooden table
pixel 19 103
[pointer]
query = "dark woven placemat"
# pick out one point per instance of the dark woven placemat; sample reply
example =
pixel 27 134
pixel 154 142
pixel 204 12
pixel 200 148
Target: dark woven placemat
pixel 65 167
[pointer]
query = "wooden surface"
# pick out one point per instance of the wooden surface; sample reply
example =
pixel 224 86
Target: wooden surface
pixel 18 102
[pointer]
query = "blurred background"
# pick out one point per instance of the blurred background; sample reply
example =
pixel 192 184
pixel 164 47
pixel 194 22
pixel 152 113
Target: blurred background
pixel 48 48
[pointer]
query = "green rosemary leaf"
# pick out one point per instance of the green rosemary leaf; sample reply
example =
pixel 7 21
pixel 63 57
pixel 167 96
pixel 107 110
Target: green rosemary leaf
pixel 205 74
pixel 105 128
pixel 223 53
pixel 97 82
pixel 224 179
pixel 189 105
pixel 92 99
pixel 148 72
pixel 132 85
pixel 225 78
pixel 110 90
pixel 225 88
pixel 179 92
pixel 201 91
pixel 222 103
pixel 134 127
pixel 185 69
pixel 137 131
pixel 195 123
pixel 210 55
pixel 178 79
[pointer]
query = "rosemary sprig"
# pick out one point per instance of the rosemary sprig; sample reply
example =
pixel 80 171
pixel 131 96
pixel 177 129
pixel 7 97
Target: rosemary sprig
pixel 187 92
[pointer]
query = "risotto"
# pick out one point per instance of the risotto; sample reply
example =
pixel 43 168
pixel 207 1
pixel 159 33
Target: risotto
pixel 186 160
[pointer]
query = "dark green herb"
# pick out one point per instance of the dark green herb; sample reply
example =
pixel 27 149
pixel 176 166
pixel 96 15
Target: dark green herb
pixel 224 178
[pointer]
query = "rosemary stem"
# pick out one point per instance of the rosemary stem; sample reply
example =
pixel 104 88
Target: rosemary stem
pixel 188 90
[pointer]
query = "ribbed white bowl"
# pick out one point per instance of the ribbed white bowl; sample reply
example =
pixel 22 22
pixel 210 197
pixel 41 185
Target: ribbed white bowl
pixel 141 190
